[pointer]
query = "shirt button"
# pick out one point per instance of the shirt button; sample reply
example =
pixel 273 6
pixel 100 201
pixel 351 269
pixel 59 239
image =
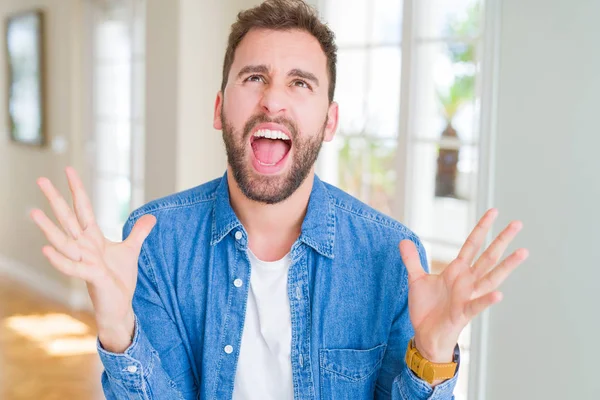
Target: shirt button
pixel 229 349
pixel 238 235
pixel 238 283
pixel 132 369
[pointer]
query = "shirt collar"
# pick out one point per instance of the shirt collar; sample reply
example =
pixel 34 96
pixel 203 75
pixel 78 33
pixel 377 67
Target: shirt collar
pixel 318 227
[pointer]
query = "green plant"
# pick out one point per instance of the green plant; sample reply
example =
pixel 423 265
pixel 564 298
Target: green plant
pixel 460 52
pixel 366 169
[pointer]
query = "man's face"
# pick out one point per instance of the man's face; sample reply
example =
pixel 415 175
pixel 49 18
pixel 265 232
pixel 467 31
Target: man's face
pixel 275 112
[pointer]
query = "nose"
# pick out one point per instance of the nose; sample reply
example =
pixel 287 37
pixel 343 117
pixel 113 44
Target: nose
pixel 274 101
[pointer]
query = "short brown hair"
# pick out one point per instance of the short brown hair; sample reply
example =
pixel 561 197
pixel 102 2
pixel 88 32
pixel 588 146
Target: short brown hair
pixel 282 15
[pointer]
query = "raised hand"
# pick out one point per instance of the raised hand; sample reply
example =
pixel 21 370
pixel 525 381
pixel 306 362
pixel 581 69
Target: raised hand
pixel 442 305
pixel 80 250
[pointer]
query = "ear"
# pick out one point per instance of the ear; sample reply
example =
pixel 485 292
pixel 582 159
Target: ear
pixel 217 123
pixel 332 121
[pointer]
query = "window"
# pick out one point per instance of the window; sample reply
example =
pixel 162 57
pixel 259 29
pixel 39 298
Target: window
pixel 408 138
pixel 116 144
pixel 361 158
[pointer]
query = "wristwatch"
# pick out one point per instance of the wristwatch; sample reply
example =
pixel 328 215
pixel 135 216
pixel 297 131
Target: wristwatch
pixel 427 370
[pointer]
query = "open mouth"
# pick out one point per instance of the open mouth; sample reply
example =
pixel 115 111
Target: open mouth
pixel 270 146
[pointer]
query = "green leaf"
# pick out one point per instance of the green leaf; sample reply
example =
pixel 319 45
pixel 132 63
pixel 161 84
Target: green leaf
pixel 459 93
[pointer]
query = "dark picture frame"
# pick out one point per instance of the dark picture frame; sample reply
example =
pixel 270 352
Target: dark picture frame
pixel 24 49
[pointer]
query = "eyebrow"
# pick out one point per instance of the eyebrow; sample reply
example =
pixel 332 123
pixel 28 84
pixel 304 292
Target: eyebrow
pixel 309 76
pixel 262 69
pixel 253 69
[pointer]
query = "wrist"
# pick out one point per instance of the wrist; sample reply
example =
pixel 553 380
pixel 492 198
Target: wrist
pixel 117 337
pixel 434 353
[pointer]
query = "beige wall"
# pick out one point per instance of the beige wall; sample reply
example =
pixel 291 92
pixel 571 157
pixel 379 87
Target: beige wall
pixel 20 166
pixel 162 60
pixel 185 46
pixel 185 49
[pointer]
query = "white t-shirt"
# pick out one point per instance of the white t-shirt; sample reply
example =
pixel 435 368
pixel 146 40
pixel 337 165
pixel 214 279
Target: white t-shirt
pixel 264 369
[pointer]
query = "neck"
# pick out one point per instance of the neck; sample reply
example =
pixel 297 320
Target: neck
pixel 272 228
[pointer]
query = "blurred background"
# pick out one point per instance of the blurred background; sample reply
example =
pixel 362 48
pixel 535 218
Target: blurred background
pixel 447 107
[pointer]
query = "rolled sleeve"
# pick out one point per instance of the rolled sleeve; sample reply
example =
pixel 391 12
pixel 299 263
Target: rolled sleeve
pixel 411 387
pixel 130 368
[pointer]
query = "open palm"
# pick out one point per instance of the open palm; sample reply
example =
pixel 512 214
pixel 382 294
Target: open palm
pixel 442 305
pixel 80 250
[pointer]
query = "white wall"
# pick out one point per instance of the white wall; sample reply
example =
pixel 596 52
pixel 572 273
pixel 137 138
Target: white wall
pixel 544 341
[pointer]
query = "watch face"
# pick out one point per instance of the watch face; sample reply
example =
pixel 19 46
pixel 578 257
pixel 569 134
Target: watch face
pixel 456 357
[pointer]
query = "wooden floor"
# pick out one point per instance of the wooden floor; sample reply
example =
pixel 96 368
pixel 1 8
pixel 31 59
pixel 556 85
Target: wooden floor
pixel 46 352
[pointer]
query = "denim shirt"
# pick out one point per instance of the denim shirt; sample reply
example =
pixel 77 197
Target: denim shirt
pixel 347 287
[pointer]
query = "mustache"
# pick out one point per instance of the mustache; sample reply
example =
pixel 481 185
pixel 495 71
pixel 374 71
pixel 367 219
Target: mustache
pixel 262 118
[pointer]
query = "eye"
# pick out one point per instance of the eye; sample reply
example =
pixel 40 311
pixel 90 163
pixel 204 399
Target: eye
pixel 255 78
pixel 301 83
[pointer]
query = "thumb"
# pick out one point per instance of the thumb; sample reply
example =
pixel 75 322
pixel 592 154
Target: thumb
pixel 140 231
pixel 412 261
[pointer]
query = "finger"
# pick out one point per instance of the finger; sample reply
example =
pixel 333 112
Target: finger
pixel 477 237
pixel 56 236
pixel 140 231
pixel 411 259
pixel 493 253
pixel 68 267
pixel 495 277
pixel 474 307
pixel 61 209
pixel 81 201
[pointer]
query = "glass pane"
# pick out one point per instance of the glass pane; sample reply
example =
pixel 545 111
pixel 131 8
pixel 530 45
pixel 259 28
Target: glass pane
pixel 112 41
pixel 366 170
pixel 327 165
pixel 347 19
pixel 464 342
pixel 139 27
pixel 439 254
pixel 138 154
pixel 112 87
pixel 23 36
pixel 436 263
pixel 383 105
pixel 138 90
pixel 387 21
pixel 137 197
pixel 445 98
pixel 447 18
pixel 351 90
pixel 113 147
pixel 112 197
pixel 442 195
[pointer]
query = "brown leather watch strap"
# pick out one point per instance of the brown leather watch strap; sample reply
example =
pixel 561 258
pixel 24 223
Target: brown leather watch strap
pixel 425 369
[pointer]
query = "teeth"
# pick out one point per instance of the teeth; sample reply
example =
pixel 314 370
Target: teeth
pixel 269 134
pixel 268 165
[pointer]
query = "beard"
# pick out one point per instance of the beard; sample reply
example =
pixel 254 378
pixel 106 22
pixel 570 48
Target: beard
pixel 264 188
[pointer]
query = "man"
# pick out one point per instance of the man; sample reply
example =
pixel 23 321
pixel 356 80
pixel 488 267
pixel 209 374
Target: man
pixel 268 283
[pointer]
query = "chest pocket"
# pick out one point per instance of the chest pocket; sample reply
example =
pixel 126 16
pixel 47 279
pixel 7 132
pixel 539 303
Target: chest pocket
pixel 348 373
